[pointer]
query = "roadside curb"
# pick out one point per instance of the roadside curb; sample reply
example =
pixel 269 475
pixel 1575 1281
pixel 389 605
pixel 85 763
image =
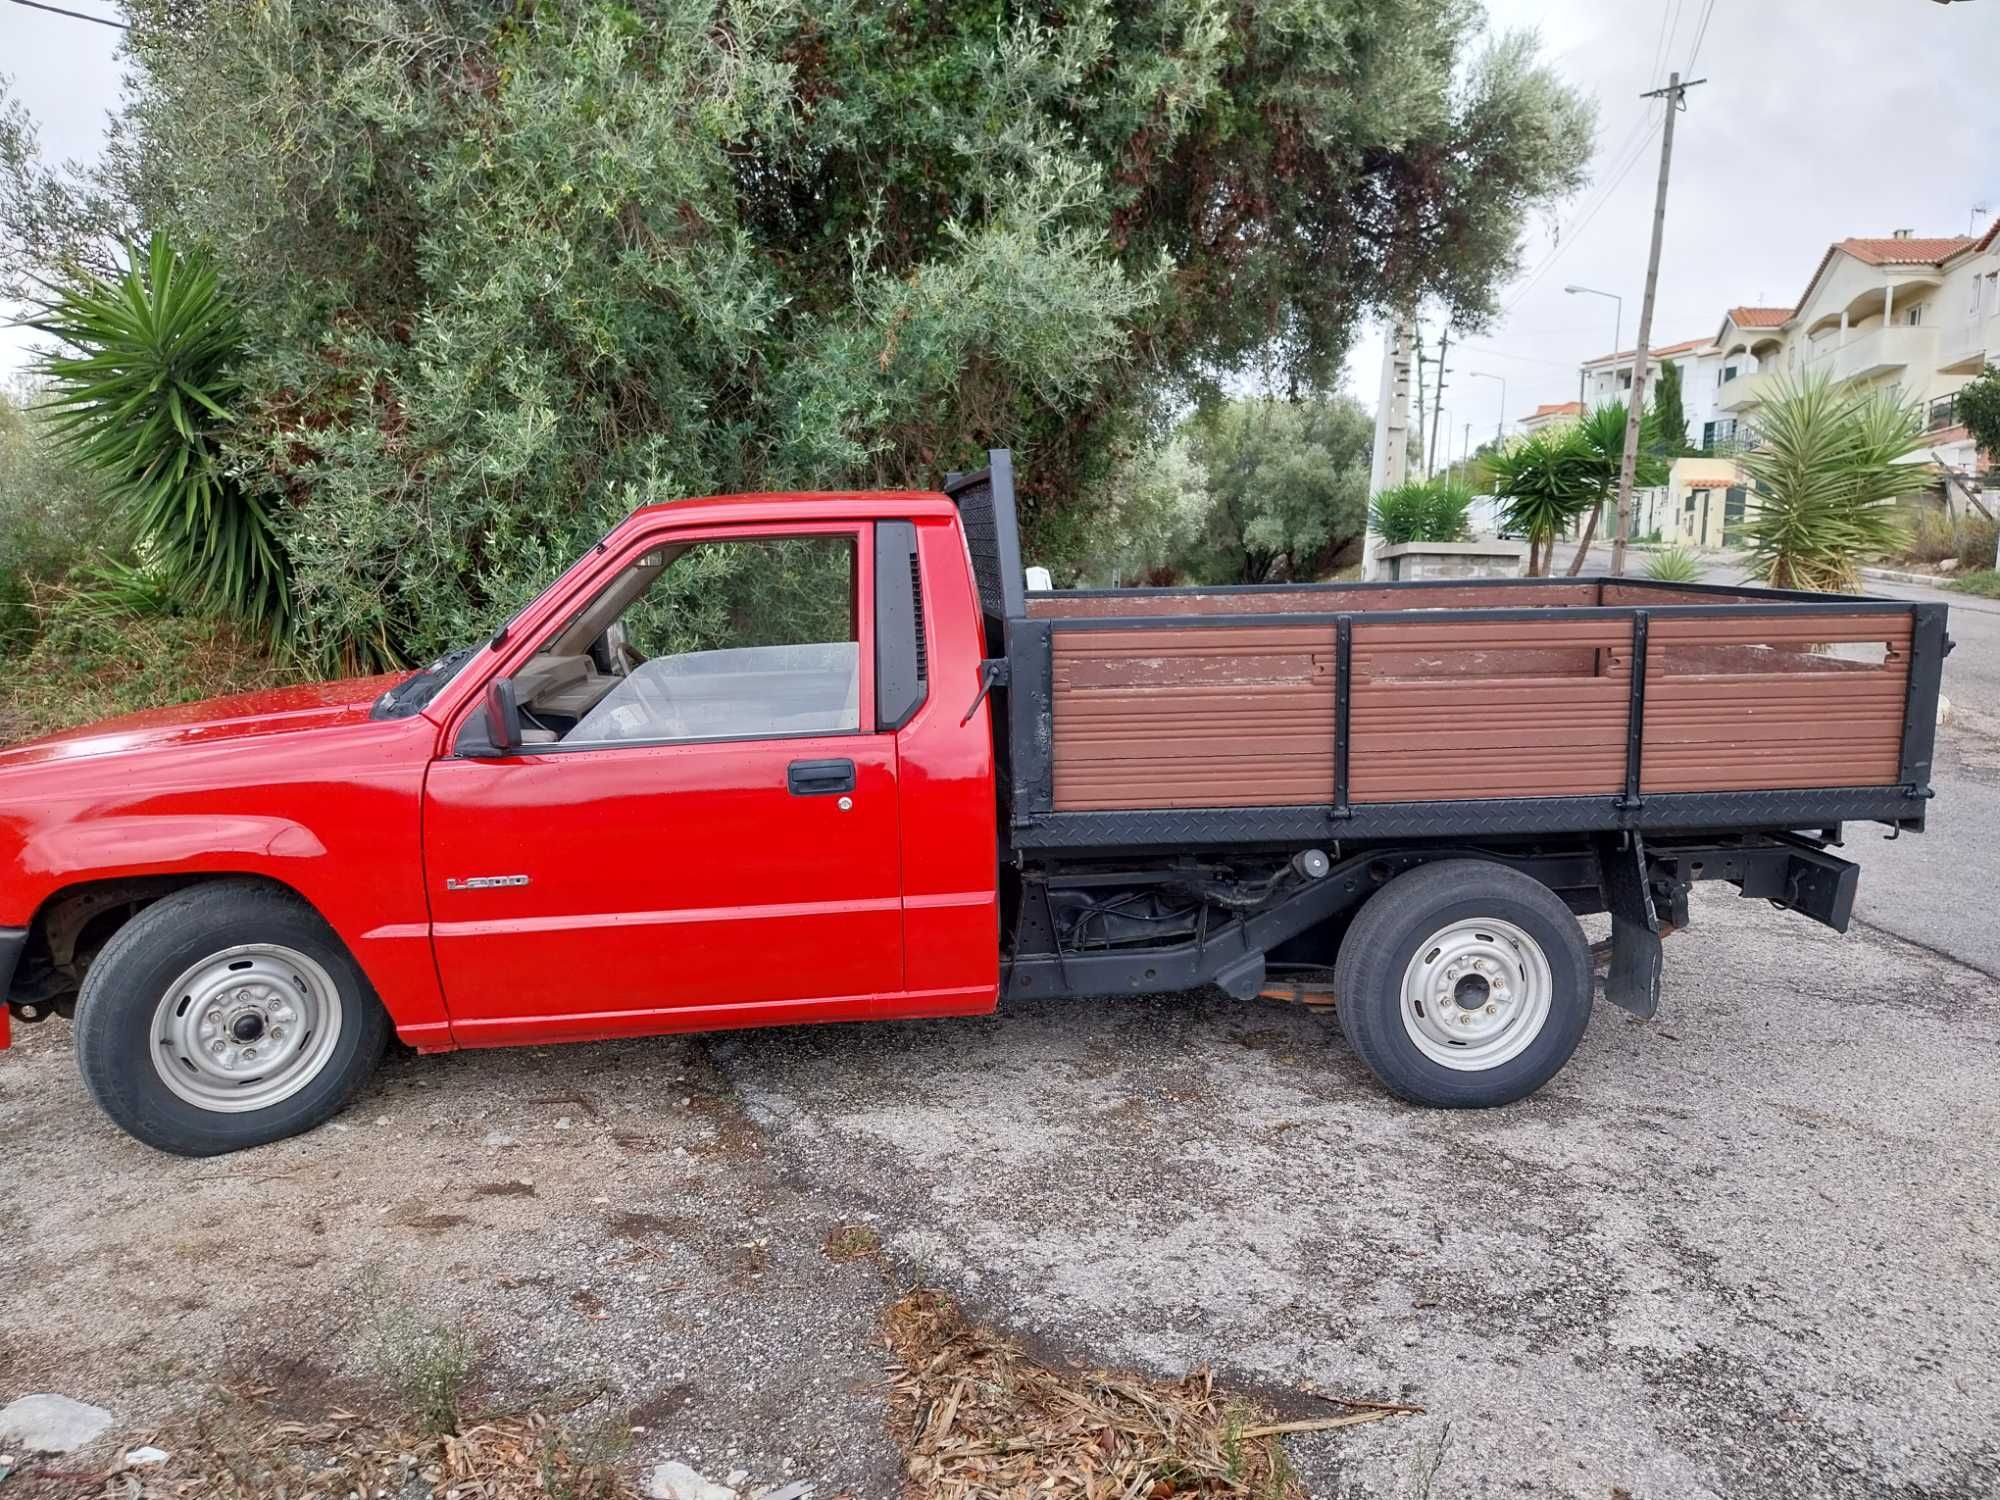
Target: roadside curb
pixel 1891 575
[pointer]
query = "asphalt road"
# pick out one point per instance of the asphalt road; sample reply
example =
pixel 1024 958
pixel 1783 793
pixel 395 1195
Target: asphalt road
pixel 1943 889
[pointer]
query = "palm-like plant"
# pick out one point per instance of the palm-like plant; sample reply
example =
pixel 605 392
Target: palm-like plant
pixel 1675 564
pixel 142 398
pixel 1545 483
pixel 1600 438
pixel 1828 464
pixel 1421 510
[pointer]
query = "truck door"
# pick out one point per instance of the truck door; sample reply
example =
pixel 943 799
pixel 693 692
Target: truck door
pixel 701 827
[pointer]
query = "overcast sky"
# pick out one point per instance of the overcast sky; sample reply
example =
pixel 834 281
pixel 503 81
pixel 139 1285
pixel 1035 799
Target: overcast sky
pixel 1820 119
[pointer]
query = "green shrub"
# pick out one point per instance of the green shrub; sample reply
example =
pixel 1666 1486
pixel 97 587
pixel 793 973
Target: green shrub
pixel 88 664
pixel 1422 510
pixel 1978 538
pixel 17 615
pixel 1985 583
pixel 1675 564
pixel 1930 537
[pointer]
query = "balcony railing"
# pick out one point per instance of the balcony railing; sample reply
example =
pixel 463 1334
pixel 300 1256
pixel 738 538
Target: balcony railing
pixel 1943 413
pixel 1730 439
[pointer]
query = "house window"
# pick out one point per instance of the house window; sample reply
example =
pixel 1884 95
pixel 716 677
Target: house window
pixel 1914 316
pixel 1728 374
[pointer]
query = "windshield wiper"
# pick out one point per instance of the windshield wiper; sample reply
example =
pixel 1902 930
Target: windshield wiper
pixel 411 694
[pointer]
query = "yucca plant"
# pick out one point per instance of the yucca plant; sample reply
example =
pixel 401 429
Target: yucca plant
pixel 1544 481
pixel 141 394
pixel 1421 510
pixel 1675 564
pixel 1828 465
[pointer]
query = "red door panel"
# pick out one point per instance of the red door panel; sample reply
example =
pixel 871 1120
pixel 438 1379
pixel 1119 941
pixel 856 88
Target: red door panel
pixel 668 888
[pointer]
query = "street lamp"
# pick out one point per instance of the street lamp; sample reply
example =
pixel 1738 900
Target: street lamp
pixel 1500 426
pixel 1617 325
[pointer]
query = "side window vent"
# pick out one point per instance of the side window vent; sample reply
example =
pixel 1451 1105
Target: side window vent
pixel 917 612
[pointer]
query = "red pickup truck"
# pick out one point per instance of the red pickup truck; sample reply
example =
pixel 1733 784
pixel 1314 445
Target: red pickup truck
pixel 768 759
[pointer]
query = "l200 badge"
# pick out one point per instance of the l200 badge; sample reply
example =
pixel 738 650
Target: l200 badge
pixel 484 882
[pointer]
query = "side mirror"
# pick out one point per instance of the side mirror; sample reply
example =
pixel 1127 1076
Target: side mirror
pixel 496 731
pixel 503 716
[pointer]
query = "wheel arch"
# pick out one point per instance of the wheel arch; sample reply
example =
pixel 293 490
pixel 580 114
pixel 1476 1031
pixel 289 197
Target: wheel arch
pixel 73 923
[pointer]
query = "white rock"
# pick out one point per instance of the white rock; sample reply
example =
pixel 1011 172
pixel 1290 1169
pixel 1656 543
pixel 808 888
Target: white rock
pixel 1944 710
pixel 497 1139
pixel 52 1424
pixel 563 1123
pixel 1949 565
pixel 735 1477
pixel 138 1457
pixel 798 1489
pixel 674 1481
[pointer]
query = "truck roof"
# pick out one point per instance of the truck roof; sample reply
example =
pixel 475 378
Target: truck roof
pixel 796 505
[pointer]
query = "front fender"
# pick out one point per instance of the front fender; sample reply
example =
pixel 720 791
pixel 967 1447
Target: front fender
pixel 334 816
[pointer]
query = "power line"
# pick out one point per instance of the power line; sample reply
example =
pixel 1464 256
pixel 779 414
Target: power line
pixel 1699 35
pixel 1627 155
pixel 74 15
pixel 1668 33
pixel 1576 231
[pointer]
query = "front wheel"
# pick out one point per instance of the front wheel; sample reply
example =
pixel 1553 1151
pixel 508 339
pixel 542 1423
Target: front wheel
pixel 1464 984
pixel 225 1016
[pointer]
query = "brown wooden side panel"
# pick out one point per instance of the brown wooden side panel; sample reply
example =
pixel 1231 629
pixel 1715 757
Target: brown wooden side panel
pixel 1530 709
pixel 1749 705
pixel 1193 717
pixel 1497 593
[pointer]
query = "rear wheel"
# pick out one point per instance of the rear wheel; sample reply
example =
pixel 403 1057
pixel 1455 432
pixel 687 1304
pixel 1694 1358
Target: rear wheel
pixel 1464 984
pixel 225 1016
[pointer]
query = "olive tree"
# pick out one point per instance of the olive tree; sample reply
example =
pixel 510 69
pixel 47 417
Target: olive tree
pixel 506 269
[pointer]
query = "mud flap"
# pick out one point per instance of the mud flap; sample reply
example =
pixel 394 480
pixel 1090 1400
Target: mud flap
pixel 1634 981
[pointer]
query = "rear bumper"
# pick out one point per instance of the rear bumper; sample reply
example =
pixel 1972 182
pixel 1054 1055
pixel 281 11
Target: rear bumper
pixel 13 942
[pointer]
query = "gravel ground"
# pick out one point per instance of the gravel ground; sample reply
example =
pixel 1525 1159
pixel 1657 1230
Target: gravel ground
pixel 1746 1249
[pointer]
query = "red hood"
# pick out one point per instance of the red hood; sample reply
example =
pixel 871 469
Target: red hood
pixel 316 705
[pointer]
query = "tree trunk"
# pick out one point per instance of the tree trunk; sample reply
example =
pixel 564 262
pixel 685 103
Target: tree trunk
pixel 1583 547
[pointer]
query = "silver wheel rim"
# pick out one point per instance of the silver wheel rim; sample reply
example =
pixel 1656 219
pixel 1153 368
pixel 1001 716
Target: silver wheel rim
pixel 246 1028
pixel 1476 994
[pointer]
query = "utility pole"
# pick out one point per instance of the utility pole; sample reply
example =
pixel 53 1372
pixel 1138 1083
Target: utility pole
pixel 1392 427
pixel 1420 359
pixel 1437 405
pixel 1673 93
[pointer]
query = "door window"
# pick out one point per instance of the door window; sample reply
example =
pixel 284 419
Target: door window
pixel 733 638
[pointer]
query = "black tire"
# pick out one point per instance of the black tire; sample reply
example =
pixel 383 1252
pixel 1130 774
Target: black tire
pixel 116 1012
pixel 1386 937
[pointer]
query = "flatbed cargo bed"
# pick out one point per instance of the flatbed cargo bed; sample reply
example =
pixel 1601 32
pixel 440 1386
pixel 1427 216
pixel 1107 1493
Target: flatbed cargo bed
pixel 1190 717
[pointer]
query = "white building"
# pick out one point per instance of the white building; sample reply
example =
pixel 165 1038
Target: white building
pixel 1920 316
pixel 1551 414
pixel 1609 378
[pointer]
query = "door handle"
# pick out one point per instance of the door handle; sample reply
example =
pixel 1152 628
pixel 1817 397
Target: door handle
pixel 819 778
